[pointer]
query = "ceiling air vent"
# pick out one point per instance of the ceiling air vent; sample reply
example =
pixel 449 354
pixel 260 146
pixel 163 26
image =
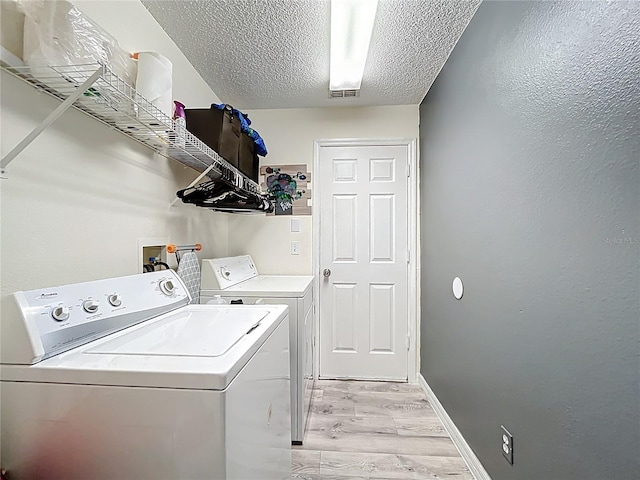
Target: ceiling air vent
pixel 344 93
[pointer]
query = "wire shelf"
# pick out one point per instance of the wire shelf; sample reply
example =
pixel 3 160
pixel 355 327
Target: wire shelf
pixel 114 102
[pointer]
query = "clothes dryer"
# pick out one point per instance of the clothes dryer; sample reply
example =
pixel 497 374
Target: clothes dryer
pixel 236 279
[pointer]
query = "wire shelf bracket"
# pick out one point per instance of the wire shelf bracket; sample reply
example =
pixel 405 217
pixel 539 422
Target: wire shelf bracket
pixel 52 117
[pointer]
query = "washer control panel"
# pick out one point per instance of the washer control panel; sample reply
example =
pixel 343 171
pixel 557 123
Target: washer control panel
pixel 221 273
pixel 60 318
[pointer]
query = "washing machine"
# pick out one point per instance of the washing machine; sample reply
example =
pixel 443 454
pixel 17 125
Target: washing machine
pixel 236 280
pixel 123 379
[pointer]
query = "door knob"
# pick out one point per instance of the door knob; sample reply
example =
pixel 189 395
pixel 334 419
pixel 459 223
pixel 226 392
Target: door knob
pixel 326 272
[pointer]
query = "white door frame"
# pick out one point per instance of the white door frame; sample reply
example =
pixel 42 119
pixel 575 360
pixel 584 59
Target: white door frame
pixel 412 195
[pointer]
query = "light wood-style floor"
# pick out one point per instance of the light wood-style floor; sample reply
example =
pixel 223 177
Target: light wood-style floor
pixel 374 430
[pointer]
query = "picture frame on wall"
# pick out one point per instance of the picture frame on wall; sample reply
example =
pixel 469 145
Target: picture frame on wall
pixel 290 188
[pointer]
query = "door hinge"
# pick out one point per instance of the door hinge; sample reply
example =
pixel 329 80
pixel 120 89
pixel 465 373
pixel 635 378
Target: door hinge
pixel 408 169
pixel 408 342
pixel 408 256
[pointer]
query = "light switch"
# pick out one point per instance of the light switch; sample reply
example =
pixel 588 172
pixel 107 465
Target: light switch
pixel 295 224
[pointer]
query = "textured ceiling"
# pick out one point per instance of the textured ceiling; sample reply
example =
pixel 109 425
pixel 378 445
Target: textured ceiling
pixel 275 53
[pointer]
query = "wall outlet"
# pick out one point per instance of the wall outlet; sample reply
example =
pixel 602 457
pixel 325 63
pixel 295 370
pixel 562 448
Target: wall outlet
pixel 507 445
pixel 295 248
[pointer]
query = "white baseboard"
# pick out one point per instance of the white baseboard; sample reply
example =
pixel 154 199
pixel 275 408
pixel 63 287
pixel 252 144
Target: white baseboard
pixel 476 468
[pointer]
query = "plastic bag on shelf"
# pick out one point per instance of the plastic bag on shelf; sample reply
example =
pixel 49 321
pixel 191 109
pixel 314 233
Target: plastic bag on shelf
pixel 57 34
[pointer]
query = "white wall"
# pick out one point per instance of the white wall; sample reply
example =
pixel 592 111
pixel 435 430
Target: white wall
pixel 77 200
pixel 289 135
pixel 11 23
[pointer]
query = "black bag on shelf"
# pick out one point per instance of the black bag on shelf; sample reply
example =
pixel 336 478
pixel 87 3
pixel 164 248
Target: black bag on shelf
pixel 219 129
pixel 248 161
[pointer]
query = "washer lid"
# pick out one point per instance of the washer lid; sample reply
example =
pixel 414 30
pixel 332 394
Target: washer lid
pixel 200 347
pixel 193 333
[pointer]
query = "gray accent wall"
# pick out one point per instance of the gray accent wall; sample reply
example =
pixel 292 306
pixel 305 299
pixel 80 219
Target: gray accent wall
pixel 530 192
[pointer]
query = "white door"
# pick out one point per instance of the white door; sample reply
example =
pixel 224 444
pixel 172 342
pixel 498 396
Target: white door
pixel 364 254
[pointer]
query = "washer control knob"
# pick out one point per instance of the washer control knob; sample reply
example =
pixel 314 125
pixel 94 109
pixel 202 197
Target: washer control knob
pixel 60 313
pixel 90 306
pixel 115 300
pixel 167 287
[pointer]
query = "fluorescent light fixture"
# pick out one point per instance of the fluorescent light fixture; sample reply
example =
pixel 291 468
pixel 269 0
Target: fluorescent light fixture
pixel 351 26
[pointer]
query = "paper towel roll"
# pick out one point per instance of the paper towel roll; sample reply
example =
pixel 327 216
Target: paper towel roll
pixel 154 80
